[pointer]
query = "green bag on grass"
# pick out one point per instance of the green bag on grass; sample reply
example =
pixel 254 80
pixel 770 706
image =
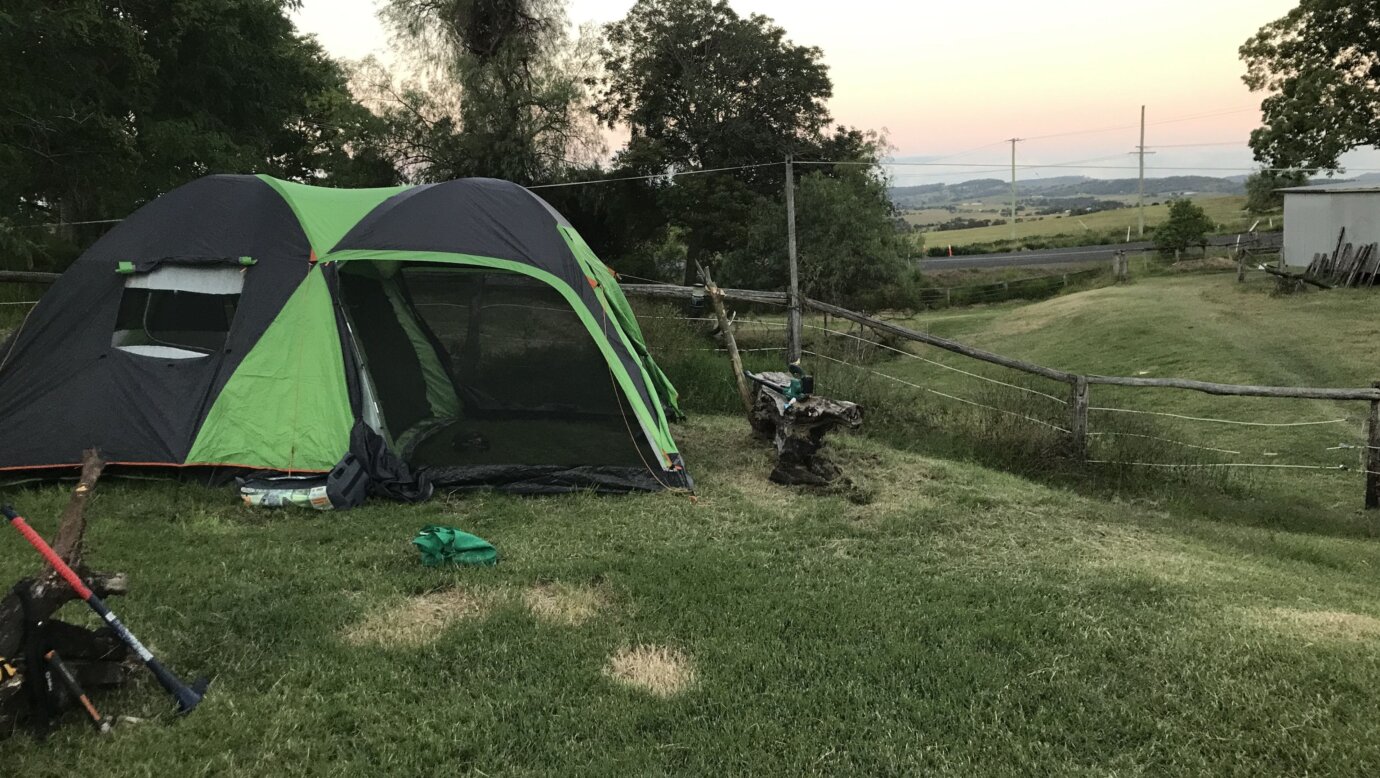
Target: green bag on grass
pixel 447 545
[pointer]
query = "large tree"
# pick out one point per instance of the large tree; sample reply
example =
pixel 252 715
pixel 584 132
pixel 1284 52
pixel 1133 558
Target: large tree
pixel 698 86
pixel 505 92
pixel 850 251
pixel 1320 68
pixel 109 103
pixel 1262 189
pixel 707 87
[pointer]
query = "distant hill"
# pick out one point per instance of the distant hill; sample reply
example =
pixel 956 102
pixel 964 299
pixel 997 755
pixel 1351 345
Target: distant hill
pixel 938 195
pixel 941 195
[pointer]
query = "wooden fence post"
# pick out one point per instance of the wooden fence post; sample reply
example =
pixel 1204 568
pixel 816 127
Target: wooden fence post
pixel 1372 458
pixel 716 299
pixel 1078 418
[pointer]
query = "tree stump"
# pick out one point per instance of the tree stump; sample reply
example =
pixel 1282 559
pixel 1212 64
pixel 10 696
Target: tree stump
pixel 96 656
pixel 797 429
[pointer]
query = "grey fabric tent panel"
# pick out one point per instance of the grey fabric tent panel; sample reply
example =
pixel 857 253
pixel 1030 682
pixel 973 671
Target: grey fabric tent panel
pixel 64 387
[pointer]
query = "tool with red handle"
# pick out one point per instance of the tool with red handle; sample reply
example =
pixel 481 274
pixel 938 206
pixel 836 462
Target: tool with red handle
pixel 68 679
pixel 187 696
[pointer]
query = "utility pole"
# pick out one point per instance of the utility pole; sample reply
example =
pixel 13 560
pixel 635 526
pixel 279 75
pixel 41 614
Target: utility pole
pixel 793 326
pixel 1140 189
pixel 1013 141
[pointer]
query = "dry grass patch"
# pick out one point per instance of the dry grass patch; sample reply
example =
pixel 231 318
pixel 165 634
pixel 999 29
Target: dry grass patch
pixel 657 670
pixel 564 604
pixel 1333 625
pixel 418 620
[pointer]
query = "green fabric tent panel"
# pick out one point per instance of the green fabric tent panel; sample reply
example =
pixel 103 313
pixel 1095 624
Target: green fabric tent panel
pixel 287 406
pixel 327 214
pixel 617 302
pixel 651 419
pixel 440 392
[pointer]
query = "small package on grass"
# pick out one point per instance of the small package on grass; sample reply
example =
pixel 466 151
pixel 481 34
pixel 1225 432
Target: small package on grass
pixel 447 545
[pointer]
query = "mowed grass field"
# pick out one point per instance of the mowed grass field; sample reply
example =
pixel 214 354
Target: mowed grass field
pixel 939 618
pixel 1226 210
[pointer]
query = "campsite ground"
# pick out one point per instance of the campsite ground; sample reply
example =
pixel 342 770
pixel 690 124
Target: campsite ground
pixel 943 617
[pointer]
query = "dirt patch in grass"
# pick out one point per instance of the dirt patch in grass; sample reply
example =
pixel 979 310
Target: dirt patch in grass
pixel 564 604
pixel 418 620
pixel 1333 625
pixel 657 670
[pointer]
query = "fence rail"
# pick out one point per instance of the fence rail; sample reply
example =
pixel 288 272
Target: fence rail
pixel 27 277
pixel 1079 385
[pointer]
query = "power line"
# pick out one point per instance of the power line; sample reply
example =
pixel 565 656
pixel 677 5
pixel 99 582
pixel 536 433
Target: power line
pixel 668 175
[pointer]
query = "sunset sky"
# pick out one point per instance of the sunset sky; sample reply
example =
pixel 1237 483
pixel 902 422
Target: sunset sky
pixel 949 81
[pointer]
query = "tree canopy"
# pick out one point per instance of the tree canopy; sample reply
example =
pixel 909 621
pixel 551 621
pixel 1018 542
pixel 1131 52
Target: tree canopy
pixel 1188 225
pixel 505 94
pixel 1262 187
pixel 698 85
pixel 1320 68
pixel 109 104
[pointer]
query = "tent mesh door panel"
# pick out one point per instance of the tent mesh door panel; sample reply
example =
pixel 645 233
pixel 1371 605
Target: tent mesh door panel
pixel 534 387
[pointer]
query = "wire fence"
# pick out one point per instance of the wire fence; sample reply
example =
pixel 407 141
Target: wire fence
pixel 1018 416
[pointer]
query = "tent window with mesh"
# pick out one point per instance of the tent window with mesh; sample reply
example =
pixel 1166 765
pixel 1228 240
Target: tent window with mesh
pixel 177 312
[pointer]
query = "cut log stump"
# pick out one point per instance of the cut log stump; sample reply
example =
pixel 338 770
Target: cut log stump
pixel 96 656
pixel 797 429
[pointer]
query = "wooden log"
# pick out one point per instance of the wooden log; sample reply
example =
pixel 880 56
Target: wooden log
pixel 1078 418
pixel 1297 277
pixel 1240 390
pixel 938 342
pixel 27 277
pixel 1332 263
pixel 72 526
pixel 731 343
pixel 48 591
pixel 674 291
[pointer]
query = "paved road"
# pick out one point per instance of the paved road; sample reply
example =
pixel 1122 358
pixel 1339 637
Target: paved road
pixel 1068 256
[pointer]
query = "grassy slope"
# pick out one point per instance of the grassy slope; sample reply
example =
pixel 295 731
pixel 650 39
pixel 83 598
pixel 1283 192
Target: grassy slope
pixel 1204 327
pixel 955 620
pixel 1224 209
pixel 961 622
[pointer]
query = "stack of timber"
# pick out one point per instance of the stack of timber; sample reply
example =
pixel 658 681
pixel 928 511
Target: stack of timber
pixel 1348 265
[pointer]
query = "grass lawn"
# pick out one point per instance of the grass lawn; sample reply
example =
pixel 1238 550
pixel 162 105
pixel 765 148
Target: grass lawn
pixel 1223 209
pixel 941 618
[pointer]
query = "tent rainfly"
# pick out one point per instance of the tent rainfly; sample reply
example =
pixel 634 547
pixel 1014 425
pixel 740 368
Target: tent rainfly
pixel 462 330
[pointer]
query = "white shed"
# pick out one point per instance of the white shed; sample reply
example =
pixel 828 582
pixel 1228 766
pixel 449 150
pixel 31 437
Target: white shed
pixel 1314 217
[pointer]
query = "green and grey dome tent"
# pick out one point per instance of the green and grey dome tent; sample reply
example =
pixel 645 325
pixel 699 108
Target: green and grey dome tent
pixel 463 330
